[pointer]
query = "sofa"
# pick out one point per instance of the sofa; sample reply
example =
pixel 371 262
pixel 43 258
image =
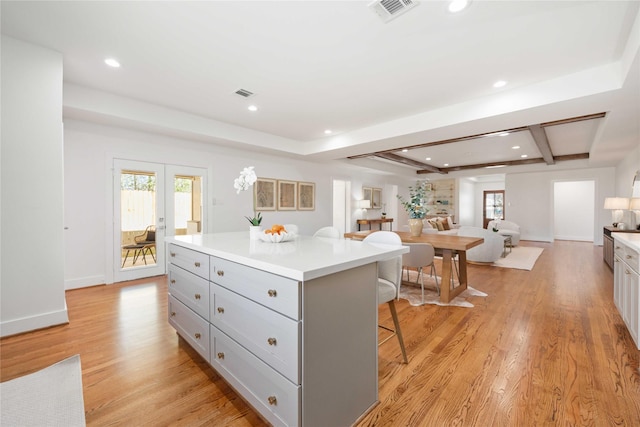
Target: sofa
pixel 442 225
pixel 490 250
pixel 506 228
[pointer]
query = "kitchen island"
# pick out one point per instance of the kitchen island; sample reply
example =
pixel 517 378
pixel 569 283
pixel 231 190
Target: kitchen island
pixel 291 326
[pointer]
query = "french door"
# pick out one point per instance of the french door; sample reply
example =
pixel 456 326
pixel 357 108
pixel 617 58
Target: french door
pixel 492 206
pixel 151 201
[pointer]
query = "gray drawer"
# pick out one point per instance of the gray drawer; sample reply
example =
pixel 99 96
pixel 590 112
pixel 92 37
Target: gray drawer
pixel 269 335
pixel 191 290
pixel 276 292
pixel 271 394
pixel 193 261
pixel 193 328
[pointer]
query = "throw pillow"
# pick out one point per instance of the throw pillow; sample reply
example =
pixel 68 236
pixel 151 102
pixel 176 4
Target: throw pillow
pixel 445 224
pixel 439 225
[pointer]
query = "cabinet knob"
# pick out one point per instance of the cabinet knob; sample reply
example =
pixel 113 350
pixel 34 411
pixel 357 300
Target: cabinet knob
pixel 626 271
pixel 173 254
pixel 197 296
pixel 220 355
pixel 271 341
pixel 220 309
pixel 220 272
pixel 272 400
pixel 272 292
pixel 173 314
pixel 197 335
pixel 197 264
pixel 173 281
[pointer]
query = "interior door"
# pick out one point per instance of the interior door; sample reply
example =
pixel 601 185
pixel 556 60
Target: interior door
pixel 139 219
pixel 492 206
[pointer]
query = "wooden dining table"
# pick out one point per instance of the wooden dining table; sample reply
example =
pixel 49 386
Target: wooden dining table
pixel 448 245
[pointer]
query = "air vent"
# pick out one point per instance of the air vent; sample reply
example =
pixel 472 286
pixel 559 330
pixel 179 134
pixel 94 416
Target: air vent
pixel 244 93
pixel 390 9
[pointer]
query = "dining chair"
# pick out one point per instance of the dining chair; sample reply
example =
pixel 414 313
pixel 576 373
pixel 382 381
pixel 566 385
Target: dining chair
pixel 331 232
pixel 389 279
pixel 420 255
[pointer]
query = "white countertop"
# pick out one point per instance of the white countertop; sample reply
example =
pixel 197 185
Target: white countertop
pixel 304 258
pixel 631 239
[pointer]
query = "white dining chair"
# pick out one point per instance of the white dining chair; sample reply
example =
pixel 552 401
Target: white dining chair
pixel 330 232
pixel 420 256
pixel 389 279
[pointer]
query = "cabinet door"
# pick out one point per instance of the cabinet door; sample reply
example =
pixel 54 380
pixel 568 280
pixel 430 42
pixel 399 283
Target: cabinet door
pixel 632 294
pixel 618 276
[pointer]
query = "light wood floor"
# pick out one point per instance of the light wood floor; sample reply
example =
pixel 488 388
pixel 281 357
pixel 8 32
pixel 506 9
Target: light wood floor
pixel 545 348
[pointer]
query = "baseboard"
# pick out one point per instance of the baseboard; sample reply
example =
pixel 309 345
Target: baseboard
pixel 574 238
pixel 40 321
pixel 84 282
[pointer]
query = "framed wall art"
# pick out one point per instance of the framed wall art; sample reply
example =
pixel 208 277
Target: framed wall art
pixel 366 193
pixel 376 198
pixel 306 196
pixel 287 195
pixel 264 194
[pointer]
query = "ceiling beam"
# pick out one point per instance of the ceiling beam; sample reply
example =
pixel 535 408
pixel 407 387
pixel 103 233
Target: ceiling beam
pixel 567 157
pixel 409 162
pixel 541 140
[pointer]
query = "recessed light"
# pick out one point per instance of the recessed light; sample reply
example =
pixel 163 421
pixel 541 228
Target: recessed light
pixel 428 158
pixel 446 164
pixel 524 156
pixel 112 62
pixel 458 5
pixel 515 147
pixel 499 83
pixel 495 166
pixel 404 150
pixel 504 134
pixel 328 132
pixel 252 108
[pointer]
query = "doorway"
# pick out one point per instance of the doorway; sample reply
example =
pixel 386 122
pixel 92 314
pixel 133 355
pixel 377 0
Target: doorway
pixel 492 206
pixel 151 201
pixel 573 210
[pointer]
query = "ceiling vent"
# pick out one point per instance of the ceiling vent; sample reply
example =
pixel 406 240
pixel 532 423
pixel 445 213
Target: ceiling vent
pixel 244 93
pixel 390 9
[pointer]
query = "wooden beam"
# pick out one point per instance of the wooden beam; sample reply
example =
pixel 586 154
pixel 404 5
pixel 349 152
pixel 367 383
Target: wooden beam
pixel 564 158
pixel 574 119
pixel 409 162
pixel 541 140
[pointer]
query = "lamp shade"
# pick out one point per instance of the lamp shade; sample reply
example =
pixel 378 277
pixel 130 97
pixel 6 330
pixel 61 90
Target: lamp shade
pixel 364 204
pixel 634 205
pixel 616 203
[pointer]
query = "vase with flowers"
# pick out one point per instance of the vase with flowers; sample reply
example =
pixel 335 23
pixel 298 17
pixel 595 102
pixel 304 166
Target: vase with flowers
pixel 246 179
pixel 415 206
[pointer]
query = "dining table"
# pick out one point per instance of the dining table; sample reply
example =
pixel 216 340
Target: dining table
pixel 447 246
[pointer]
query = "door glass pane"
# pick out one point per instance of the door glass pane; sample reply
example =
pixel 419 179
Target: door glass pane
pixel 188 205
pixel 137 218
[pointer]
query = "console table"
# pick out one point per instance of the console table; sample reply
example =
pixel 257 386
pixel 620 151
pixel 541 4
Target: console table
pixel 379 221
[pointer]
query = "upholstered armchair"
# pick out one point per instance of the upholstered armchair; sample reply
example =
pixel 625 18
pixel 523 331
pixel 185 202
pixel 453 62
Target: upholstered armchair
pixel 490 250
pixel 506 228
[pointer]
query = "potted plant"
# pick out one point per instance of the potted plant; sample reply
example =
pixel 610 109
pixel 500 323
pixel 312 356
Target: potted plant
pixel 384 211
pixel 416 206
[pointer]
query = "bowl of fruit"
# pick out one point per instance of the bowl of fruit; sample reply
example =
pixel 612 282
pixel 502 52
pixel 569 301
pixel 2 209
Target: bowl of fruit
pixel 276 234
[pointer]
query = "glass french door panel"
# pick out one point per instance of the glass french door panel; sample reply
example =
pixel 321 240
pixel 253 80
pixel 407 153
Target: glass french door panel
pixel 186 192
pixel 138 219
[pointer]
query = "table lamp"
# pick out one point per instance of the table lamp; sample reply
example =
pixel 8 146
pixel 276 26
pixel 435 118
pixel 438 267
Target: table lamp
pixel 616 205
pixel 364 205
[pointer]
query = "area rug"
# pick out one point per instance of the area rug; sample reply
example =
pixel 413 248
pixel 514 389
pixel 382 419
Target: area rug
pixel 412 292
pixel 521 258
pixel 49 397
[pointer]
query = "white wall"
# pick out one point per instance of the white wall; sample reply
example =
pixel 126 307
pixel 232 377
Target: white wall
pixel 530 200
pixel 90 147
pixel 466 202
pixel 32 252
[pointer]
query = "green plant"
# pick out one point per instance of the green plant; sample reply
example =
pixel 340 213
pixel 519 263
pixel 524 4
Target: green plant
pixel 256 220
pixel 416 204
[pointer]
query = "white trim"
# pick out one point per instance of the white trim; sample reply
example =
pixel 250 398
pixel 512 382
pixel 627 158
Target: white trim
pixel 26 324
pixel 83 282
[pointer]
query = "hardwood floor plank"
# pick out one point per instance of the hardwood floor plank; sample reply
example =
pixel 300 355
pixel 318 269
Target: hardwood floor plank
pixel 546 347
